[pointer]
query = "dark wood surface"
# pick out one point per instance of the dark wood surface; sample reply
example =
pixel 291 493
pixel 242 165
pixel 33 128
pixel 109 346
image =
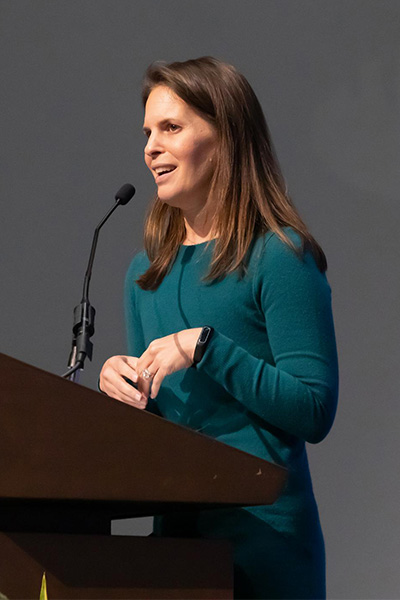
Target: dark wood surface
pixel 72 459
pixel 62 441
pixel 114 567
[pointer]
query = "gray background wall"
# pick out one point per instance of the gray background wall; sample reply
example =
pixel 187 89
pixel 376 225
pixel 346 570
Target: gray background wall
pixel 327 74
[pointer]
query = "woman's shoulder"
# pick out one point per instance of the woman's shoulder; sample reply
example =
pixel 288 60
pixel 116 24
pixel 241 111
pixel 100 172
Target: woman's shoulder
pixel 138 265
pixel 271 247
pixel 274 257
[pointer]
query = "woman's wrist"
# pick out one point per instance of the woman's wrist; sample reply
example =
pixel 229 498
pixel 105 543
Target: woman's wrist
pixel 201 344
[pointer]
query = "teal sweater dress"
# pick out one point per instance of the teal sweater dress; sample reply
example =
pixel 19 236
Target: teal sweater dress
pixel 267 384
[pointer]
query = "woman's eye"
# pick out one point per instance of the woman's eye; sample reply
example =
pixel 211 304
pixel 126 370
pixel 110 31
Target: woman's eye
pixel 173 127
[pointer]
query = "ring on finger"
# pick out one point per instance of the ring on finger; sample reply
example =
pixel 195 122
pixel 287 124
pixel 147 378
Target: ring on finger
pixel 146 374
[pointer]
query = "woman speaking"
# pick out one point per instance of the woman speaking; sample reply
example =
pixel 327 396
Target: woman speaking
pixel 229 319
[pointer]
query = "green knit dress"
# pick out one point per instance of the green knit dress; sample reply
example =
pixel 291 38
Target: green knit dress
pixel 267 384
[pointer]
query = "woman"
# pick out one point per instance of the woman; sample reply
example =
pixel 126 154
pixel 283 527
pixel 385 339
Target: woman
pixel 226 250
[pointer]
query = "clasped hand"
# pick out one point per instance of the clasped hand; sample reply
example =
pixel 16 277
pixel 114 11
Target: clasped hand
pixel 164 356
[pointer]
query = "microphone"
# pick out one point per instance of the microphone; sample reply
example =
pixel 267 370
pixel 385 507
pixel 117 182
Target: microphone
pixel 125 193
pixel 84 313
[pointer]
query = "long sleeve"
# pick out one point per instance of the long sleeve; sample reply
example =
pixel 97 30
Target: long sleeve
pixel 135 337
pixel 298 392
pixel 266 383
pixel 134 327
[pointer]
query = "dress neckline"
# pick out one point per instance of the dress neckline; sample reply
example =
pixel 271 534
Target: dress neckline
pixel 195 250
pixel 199 244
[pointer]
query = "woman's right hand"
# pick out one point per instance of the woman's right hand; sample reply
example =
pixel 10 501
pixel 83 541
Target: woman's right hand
pixel 113 384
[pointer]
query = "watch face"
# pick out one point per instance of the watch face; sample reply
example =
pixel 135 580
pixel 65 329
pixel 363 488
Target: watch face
pixel 202 344
pixel 205 332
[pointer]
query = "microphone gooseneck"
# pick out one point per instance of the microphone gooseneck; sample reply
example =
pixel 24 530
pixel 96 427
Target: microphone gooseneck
pixel 84 313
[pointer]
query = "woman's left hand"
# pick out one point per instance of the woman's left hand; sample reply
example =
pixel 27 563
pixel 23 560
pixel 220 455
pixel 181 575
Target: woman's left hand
pixel 165 356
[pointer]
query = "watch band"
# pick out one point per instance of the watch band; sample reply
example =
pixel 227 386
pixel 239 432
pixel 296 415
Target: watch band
pixel 201 345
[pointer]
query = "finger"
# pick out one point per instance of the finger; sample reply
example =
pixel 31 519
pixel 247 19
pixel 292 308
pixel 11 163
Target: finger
pixel 117 379
pixel 144 383
pixel 148 356
pixel 128 372
pixel 141 405
pixel 118 367
pixel 156 383
pixel 125 391
pixel 127 388
pixel 112 381
pixel 137 400
pixel 131 361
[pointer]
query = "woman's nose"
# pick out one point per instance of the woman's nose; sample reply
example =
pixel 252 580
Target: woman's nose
pixel 153 145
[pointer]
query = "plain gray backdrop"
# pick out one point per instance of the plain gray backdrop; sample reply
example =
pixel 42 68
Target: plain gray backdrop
pixel 328 76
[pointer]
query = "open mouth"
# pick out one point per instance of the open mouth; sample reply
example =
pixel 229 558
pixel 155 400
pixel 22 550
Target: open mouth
pixel 163 173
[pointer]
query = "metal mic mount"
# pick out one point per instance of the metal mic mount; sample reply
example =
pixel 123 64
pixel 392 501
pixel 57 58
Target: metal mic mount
pixel 83 327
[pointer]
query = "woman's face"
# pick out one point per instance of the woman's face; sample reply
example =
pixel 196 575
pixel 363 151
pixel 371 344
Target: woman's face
pixel 180 149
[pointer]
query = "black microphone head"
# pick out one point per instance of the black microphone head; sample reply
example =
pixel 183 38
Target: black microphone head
pixel 125 193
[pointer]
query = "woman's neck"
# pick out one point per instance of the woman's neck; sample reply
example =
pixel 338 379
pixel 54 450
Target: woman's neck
pixel 198 227
pixel 192 238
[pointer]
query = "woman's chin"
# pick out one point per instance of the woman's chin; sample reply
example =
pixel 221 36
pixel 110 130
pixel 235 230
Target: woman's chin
pixel 170 199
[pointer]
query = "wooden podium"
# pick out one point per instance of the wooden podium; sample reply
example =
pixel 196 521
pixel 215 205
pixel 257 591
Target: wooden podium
pixel 72 459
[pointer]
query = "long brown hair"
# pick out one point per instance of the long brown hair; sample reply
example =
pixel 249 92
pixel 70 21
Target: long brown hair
pixel 247 182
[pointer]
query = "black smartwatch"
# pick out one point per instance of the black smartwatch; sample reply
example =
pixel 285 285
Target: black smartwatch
pixel 202 342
